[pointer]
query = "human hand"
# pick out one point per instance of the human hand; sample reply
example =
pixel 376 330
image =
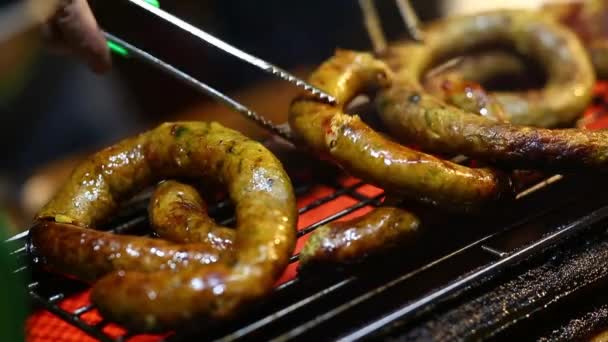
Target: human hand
pixel 73 29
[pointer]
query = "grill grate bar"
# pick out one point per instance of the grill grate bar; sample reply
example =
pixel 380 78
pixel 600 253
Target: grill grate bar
pixel 494 252
pixel 20 269
pixel 92 331
pixel 127 226
pixel 83 309
pixel 340 214
pixel 19 251
pixel 284 312
pixel 461 283
pixel 336 194
pixel 56 297
pixel 101 324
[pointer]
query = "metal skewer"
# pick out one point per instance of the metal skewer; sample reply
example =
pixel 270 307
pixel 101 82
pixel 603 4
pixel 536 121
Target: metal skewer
pixel 149 59
pixel 242 55
pixel 373 25
pixel 410 18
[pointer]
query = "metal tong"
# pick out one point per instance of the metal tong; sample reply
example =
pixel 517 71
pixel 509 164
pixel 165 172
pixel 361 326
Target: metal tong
pixel 25 15
pixel 371 20
pixel 373 25
pixel 126 48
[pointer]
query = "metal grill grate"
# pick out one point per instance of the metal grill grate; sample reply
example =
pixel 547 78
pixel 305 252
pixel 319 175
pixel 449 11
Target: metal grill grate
pixel 47 291
pixel 304 305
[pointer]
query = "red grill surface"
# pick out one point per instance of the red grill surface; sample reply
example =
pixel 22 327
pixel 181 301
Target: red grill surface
pixel 43 326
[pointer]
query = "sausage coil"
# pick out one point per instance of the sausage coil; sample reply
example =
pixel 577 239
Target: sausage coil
pixel 570 74
pixel 163 299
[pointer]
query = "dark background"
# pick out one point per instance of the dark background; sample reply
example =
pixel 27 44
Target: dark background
pixel 286 33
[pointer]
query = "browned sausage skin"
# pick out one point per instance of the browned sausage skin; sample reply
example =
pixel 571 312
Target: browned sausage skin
pixel 466 95
pixel 93 192
pixel 570 73
pixel 265 210
pixel 374 158
pixel 89 254
pixel 343 242
pixel 436 126
pixel 178 213
pixel 588 19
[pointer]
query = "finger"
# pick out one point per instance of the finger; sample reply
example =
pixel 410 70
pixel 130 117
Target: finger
pixel 74 27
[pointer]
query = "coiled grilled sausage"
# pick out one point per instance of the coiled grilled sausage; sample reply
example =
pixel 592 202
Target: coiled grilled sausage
pixel 178 213
pixel 585 18
pixel 374 158
pixel 343 242
pixel 265 210
pixel 570 74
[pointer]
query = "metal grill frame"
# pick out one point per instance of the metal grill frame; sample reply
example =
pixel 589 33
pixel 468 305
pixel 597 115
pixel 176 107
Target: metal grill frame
pixel 44 298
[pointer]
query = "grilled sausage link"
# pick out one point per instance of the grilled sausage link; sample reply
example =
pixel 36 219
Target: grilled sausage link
pixel 343 242
pixel 89 254
pixel 466 95
pixel 266 221
pixel 559 51
pixel 328 130
pixel 178 213
pixel 436 126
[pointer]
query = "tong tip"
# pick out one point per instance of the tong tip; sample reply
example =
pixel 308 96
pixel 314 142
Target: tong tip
pixel 316 92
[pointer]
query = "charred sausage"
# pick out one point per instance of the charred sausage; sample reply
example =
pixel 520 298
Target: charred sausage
pixel 265 210
pixel 436 126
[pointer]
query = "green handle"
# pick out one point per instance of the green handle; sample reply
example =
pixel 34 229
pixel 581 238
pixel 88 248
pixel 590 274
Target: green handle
pixel 119 49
